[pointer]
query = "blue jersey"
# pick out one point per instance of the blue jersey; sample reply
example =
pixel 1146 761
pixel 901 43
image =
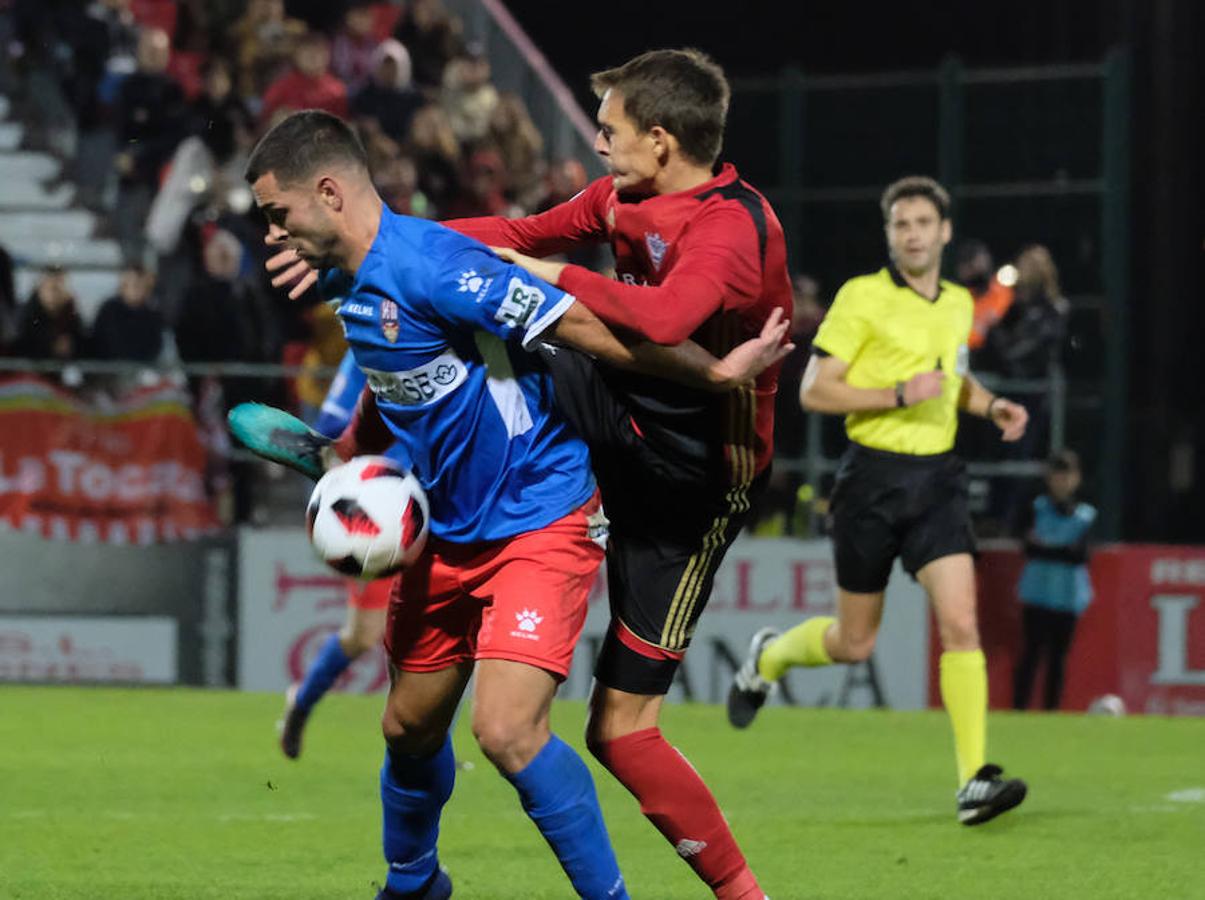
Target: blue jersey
pixel 441 328
pixel 340 402
pixel 340 405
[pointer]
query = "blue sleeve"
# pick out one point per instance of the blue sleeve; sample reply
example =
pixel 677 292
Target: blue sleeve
pixel 470 287
pixel 340 402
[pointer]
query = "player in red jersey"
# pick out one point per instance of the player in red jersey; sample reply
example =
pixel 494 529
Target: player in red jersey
pixel 700 256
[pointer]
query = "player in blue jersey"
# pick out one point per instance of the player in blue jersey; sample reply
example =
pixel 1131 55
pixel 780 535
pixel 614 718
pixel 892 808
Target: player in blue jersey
pixel 367 602
pixel 441 328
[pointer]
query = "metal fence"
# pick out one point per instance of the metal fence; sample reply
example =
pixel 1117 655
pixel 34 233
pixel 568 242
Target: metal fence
pixel 1030 155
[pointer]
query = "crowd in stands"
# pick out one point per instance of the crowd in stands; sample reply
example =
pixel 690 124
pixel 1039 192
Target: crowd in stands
pixel 166 98
pixel 153 106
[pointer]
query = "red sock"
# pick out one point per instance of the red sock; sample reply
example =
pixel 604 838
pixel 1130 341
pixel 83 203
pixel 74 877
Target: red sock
pixel 675 799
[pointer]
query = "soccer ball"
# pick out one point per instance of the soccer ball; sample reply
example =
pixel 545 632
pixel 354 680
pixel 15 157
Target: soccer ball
pixel 1107 705
pixel 368 518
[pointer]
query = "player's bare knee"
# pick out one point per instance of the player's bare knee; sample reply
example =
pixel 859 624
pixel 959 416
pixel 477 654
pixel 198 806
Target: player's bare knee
pixel 508 741
pixel 405 733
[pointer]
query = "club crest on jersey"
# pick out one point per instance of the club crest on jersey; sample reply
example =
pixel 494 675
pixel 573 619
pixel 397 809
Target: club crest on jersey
pixel 657 246
pixel 389 323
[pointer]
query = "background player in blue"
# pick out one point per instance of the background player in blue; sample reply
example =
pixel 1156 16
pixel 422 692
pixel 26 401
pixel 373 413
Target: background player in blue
pixel 440 327
pixel 367 601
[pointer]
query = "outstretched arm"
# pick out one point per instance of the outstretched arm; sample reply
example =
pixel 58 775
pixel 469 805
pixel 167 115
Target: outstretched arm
pixel 686 363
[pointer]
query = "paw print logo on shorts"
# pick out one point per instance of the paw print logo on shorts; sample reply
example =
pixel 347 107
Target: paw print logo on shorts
pixel 470 281
pixel 529 619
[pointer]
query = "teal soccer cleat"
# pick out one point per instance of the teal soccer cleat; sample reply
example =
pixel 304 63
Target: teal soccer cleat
pixel 280 437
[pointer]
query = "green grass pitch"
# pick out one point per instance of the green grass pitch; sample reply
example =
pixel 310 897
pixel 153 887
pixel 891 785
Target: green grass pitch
pixel 183 794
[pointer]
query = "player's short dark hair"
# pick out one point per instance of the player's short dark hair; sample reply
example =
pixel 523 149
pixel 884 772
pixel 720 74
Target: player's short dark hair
pixel 298 145
pixel 916 186
pixel 683 91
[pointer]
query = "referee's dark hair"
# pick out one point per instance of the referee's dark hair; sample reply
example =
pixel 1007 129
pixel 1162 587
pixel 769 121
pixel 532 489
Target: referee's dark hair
pixel 300 144
pixel 683 91
pixel 916 186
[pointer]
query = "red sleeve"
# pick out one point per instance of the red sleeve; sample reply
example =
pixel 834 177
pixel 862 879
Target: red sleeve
pixel 366 433
pixel 581 220
pixel 718 267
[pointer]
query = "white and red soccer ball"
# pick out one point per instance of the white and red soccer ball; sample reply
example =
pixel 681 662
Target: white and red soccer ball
pixel 368 518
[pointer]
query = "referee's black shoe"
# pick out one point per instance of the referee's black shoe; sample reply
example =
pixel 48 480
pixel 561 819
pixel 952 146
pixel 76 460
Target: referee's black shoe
pixel 987 795
pixel 749 690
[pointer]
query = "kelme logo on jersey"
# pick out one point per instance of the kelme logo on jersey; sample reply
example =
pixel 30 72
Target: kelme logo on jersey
pixel 477 285
pixel 521 304
pixel 657 246
pixel 389 325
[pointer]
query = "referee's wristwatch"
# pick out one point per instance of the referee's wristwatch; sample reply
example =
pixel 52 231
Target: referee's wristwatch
pixel 899 395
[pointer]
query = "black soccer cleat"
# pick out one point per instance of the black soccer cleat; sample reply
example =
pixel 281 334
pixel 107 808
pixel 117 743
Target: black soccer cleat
pixel 291 725
pixel 987 795
pixel 749 690
pixel 439 887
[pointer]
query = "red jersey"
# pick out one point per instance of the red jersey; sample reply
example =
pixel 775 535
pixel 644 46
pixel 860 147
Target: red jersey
pixel 709 264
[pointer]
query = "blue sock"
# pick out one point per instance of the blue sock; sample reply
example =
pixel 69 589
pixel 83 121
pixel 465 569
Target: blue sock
pixel 414 790
pixel 558 794
pixel 328 665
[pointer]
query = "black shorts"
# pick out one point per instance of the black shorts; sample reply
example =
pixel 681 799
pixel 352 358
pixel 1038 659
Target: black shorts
pixel 672 521
pixel 886 505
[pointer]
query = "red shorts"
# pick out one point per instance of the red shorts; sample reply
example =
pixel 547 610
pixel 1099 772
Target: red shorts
pixel 522 599
pixel 370 595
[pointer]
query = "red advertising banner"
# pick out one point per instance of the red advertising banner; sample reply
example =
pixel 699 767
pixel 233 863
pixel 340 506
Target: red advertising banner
pixel 128 472
pixel 1143 637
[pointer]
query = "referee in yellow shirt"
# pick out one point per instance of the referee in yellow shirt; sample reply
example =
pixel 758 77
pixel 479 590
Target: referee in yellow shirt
pixel 891 356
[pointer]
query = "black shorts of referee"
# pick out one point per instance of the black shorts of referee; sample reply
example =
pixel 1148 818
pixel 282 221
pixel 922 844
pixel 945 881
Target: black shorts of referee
pixel 886 505
pixel 674 512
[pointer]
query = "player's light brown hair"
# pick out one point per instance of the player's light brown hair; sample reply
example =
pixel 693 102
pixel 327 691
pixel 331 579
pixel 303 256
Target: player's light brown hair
pixel 916 186
pixel 683 91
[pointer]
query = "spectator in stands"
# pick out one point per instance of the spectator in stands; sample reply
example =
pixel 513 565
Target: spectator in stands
pixel 516 138
pixel 436 152
pixel 222 317
pixel 1054 589
pixel 204 165
pixel 264 41
pixel 1027 343
pixel 468 97
pixel 127 326
pixel 150 120
pixel 976 272
pixel 1028 339
pixel 433 36
pixel 483 189
pixel 308 85
pixel 355 44
pixel 49 325
pixel 779 510
pixel 389 100
pixel 219 117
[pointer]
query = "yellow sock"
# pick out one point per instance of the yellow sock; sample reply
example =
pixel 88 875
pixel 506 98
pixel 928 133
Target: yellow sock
pixel 803 645
pixel 964 693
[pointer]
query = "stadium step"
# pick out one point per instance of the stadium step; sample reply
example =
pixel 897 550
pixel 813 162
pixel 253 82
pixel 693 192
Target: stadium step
pixel 49 225
pixel 31 195
pixel 11 134
pixel 25 166
pixel 83 253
